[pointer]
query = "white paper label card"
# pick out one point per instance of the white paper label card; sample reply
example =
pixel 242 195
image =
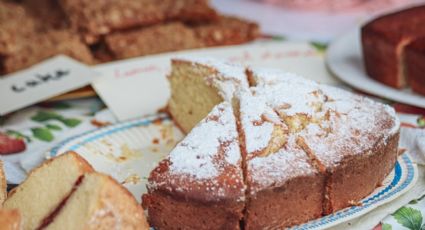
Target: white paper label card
pixel 50 78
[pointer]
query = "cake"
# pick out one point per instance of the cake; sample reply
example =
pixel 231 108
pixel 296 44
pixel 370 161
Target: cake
pixel 65 193
pixel 200 185
pixel 3 185
pixel 152 40
pixel 384 40
pixel 415 65
pixel 338 130
pixel 173 36
pixel 226 30
pixel 101 17
pixel 10 220
pixel 306 149
pixel 45 188
pixel 284 189
pixel 99 202
pixel 49 44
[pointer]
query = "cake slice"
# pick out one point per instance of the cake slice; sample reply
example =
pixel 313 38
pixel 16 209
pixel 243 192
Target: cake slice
pixel 226 30
pixel 10 220
pixel 102 17
pixel 355 136
pixel 415 65
pixel 344 135
pixel 284 189
pixel 152 40
pixel 48 45
pixel 99 202
pixel 197 85
pixel 200 185
pixel 3 185
pixel 46 187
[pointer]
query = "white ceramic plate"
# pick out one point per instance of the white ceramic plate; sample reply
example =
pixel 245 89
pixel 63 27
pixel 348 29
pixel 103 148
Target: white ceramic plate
pixel 344 58
pixel 128 151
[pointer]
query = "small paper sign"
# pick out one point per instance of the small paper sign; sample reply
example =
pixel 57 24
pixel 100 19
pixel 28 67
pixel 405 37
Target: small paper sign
pixel 50 78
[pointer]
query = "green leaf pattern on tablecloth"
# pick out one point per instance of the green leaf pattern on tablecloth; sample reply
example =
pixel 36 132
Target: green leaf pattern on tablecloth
pixel 43 134
pixel 421 121
pixel 53 127
pixel 42 116
pixel 387 227
pixel 409 217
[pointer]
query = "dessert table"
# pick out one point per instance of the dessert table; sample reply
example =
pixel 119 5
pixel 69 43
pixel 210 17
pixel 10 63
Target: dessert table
pixel 45 125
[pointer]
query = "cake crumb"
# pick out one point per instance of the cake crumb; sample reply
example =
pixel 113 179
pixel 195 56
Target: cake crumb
pixel 355 203
pixel 155 141
pixel 132 179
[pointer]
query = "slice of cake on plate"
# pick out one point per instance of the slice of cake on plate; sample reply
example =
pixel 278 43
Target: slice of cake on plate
pixel 345 135
pixel 46 187
pixel 99 202
pixel 284 189
pixel 65 193
pixel 200 185
pixel 3 185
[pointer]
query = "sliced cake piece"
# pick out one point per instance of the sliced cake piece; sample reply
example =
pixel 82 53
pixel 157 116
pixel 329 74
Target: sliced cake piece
pixel 226 31
pixel 354 138
pixel 197 85
pixel 151 40
pixel 48 45
pixel 344 135
pixel 99 202
pixel 284 189
pixel 46 187
pixel 10 220
pixel 3 185
pixel 415 65
pixel 200 185
pixel 103 17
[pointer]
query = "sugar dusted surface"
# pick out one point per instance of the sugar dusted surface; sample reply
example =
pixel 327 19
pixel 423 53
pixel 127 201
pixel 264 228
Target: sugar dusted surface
pixel 227 78
pixel 195 155
pixel 257 132
pixel 271 76
pixel 276 169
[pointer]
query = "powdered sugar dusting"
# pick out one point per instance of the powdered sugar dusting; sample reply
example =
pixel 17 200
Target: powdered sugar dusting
pixel 258 132
pixel 227 78
pixel 196 155
pixel 271 76
pixel 275 169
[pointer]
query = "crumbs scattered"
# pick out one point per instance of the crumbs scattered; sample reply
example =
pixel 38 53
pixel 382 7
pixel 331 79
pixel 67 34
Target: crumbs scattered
pixel 355 203
pixel 132 179
pixel 125 154
pixel 100 124
pixel 155 141
pixel 154 149
pixel 128 153
pixel 157 121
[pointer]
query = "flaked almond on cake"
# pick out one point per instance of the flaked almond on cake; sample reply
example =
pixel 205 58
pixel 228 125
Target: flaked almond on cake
pixel 265 149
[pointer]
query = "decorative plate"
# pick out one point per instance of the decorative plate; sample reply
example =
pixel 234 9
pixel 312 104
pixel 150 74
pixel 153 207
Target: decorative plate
pixel 128 151
pixel 344 58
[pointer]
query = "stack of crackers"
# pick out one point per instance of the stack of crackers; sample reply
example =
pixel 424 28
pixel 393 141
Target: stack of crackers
pixel 96 31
